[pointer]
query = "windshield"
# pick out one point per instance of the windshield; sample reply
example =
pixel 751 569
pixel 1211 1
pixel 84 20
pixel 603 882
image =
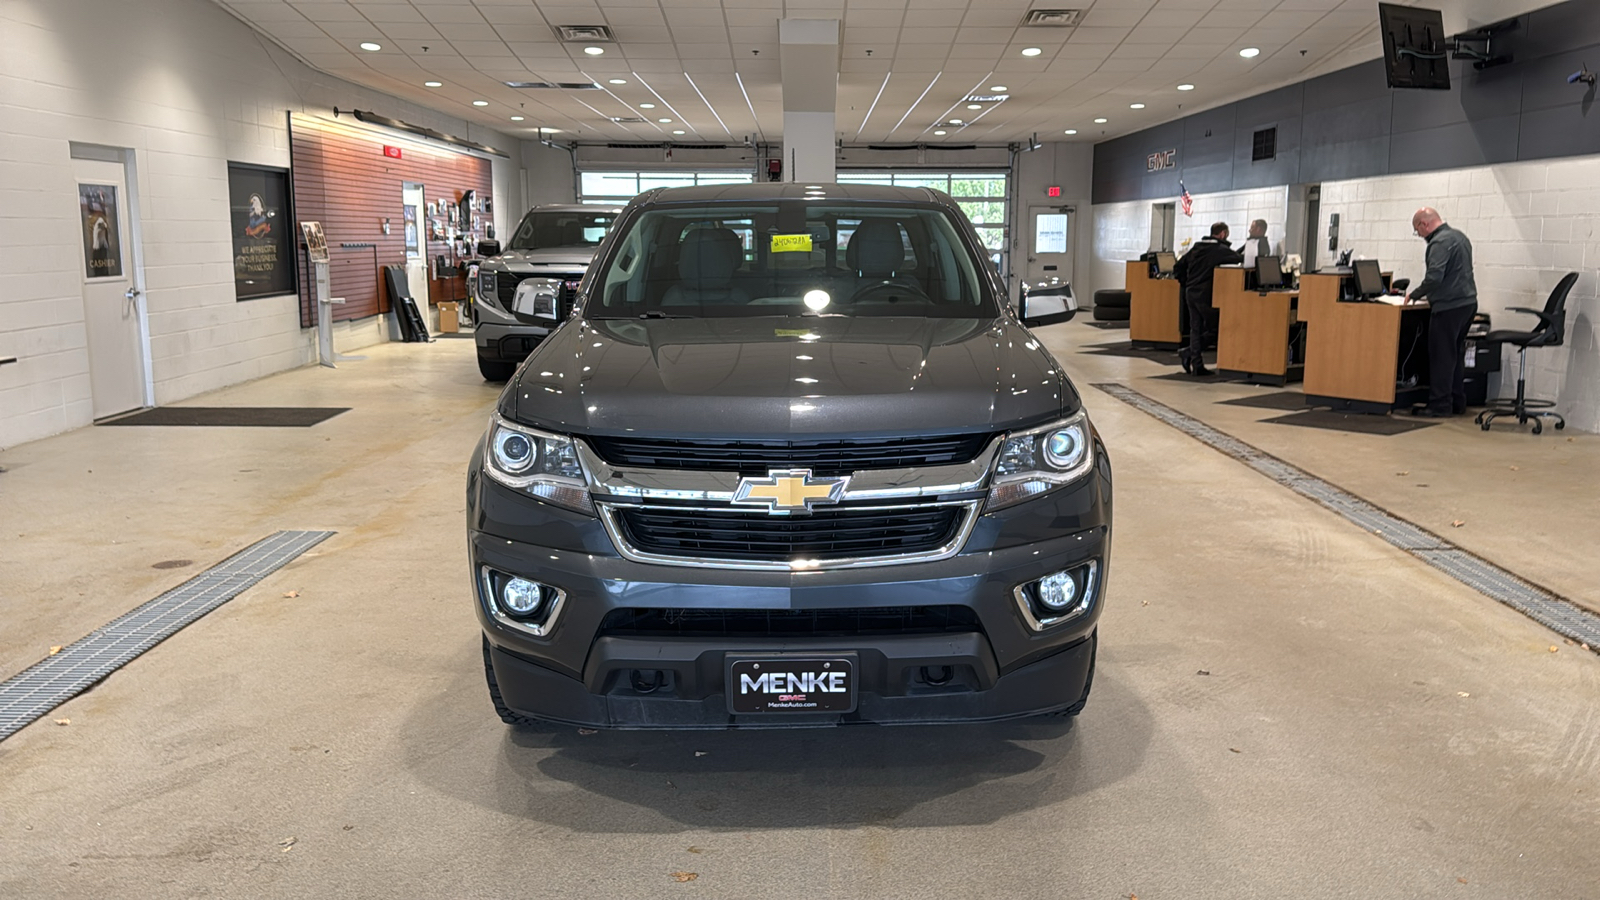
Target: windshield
pixel 792 258
pixel 542 229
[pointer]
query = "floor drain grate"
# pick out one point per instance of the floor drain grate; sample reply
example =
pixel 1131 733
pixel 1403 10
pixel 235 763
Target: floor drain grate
pixel 1543 606
pixel 57 679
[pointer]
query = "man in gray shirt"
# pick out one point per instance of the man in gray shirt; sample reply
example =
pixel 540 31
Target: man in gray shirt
pixel 1452 297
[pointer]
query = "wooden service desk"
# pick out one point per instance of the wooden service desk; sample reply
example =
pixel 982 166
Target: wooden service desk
pixel 1255 331
pixel 1355 351
pixel 1154 308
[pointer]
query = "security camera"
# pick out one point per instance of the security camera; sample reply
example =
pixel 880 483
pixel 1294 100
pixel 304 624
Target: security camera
pixel 1583 75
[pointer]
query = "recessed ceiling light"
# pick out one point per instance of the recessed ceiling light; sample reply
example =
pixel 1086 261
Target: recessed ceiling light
pixel 480 103
pixel 516 118
pixel 955 122
pixel 665 121
pixel 370 47
pixel 618 81
pixel 974 106
pixel 647 106
pixel 1250 52
pixel 594 51
pixel 677 131
pixel 1185 87
pixel 999 88
pixel 433 84
pixel 1136 106
pixel 1072 131
pixel 941 132
pixel 1031 51
pixel 1099 121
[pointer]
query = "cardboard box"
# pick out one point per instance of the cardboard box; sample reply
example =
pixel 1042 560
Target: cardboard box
pixel 449 317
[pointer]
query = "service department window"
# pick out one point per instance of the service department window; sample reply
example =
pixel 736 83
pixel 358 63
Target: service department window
pixel 617 188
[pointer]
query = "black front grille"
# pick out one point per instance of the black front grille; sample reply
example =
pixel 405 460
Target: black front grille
pixel 823 535
pixel 821 457
pixel 506 289
pixel 715 623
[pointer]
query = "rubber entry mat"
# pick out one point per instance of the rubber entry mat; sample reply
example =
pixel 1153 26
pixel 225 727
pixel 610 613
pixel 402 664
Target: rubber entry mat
pixel 1288 401
pixel 232 416
pixel 1360 423
pixel 1126 348
pixel 1108 326
pixel 80 665
pixel 1216 376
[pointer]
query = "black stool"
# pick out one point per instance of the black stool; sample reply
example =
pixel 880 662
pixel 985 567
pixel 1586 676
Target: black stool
pixel 1550 332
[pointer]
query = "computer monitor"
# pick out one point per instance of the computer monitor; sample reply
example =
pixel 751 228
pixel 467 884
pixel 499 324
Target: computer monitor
pixel 1165 260
pixel 1268 273
pixel 1369 278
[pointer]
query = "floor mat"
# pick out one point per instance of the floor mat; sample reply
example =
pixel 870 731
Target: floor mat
pixel 1126 348
pixel 1355 422
pixel 453 334
pixel 232 416
pixel 1215 377
pixel 1289 401
pixel 1095 323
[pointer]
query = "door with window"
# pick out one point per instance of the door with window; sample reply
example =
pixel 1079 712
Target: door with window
pixel 1049 245
pixel 112 300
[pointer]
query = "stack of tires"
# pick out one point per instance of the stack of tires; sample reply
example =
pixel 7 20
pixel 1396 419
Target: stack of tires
pixel 1111 306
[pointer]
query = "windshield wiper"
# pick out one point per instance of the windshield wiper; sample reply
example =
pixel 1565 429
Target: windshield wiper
pixel 658 314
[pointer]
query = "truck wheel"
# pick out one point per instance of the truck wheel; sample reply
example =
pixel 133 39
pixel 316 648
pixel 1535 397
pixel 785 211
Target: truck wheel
pixel 1076 708
pixel 495 370
pixel 501 709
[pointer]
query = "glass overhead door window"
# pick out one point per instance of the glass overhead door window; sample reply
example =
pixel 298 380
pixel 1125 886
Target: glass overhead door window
pixel 617 188
pixel 981 195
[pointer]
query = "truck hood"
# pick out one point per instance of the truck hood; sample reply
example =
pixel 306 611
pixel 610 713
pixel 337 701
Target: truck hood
pixel 572 258
pixel 780 377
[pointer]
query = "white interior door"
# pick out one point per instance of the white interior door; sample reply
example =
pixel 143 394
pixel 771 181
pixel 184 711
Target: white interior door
pixel 411 197
pixel 111 302
pixel 1050 243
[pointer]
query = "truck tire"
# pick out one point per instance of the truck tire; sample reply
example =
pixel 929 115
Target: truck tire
pixel 1112 298
pixel 501 709
pixel 1074 709
pixel 1111 314
pixel 495 370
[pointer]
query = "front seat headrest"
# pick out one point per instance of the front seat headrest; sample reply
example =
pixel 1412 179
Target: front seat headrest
pixel 876 249
pixel 708 257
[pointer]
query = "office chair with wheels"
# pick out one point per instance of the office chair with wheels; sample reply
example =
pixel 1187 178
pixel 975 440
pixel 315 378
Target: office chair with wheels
pixel 1550 332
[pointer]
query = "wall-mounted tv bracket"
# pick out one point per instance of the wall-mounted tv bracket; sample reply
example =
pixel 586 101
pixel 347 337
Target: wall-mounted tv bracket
pixel 1465 46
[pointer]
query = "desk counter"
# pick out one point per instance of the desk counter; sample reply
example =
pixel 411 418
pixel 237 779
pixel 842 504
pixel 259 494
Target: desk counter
pixel 1254 330
pixel 1154 307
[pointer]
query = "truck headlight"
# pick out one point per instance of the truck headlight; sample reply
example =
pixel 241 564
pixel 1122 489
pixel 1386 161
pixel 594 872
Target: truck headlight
pixel 1041 459
pixel 538 462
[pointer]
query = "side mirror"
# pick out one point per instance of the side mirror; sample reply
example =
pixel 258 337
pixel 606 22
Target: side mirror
pixel 1048 305
pixel 488 248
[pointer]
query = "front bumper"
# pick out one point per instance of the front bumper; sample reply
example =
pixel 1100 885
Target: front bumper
pixel 581 671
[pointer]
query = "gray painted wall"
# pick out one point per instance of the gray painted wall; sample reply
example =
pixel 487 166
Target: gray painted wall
pixel 1349 124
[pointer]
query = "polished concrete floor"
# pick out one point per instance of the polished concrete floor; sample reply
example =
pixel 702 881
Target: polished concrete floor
pixel 1286 706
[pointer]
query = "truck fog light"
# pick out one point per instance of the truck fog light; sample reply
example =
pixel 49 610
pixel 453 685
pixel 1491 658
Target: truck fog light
pixel 521 597
pixel 1058 591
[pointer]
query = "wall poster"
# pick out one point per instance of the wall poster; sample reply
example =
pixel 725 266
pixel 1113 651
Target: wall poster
pixel 263 261
pixel 102 241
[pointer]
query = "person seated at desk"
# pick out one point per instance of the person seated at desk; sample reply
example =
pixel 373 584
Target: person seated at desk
pixel 1452 296
pixel 1194 272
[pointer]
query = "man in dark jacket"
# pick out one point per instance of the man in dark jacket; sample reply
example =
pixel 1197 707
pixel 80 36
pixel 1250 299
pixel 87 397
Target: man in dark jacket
pixel 1194 273
pixel 1452 297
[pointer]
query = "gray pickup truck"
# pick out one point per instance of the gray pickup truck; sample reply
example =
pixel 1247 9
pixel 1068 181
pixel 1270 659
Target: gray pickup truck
pixel 525 289
pixel 793 460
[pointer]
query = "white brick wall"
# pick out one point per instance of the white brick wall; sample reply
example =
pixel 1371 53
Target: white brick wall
pixel 1530 223
pixel 1122 230
pixel 188 88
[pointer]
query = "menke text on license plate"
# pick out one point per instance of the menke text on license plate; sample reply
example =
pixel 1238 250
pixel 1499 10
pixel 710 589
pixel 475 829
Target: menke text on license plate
pixel 791 684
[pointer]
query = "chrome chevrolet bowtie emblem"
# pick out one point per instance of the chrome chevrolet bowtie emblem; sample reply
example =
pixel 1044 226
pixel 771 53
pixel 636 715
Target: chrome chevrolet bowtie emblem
pixel 790 490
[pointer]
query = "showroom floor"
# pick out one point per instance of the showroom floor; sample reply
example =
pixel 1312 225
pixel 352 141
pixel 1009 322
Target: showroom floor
pixel 1286 705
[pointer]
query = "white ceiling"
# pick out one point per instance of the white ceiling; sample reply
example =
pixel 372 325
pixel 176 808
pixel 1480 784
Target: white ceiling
pixel 712 66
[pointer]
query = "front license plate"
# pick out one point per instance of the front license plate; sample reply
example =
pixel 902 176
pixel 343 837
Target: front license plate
pixel 791 684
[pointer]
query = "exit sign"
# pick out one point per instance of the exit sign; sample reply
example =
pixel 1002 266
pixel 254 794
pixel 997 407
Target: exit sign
pixel 1053 190
pixel 391 152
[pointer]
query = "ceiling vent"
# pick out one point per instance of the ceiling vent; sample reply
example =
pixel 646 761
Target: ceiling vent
pixel 553 85
pixel 585 34
pixel 1052 18
pixel 627 120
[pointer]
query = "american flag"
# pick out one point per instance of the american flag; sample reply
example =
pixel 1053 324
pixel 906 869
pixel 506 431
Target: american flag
pixel 1188 201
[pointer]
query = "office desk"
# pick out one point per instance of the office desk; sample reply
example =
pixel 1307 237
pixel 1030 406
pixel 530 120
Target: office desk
pixel 1155 308
pixel 1355 352
pixel 1256 333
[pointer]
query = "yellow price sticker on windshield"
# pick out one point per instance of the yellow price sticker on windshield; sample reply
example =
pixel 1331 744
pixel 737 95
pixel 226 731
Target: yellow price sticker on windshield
pixel 791 243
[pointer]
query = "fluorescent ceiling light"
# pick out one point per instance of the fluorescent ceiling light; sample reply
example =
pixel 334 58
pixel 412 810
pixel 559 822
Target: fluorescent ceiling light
pixel 433 84
pixel 665 121
pixel 480 103
pixel 1136 106
pixel 974 106
pixel 1072 131
pixel 594 51
pixel 618 81
pixel 677 131
pixel 955 122
pixel 999 88
pixel 1031 51
pixel 370 47
pixel 516 118
pixel 941 133
pixel 1100 121
pixel 647 106
pixel 1185 87
pixel 1250 52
